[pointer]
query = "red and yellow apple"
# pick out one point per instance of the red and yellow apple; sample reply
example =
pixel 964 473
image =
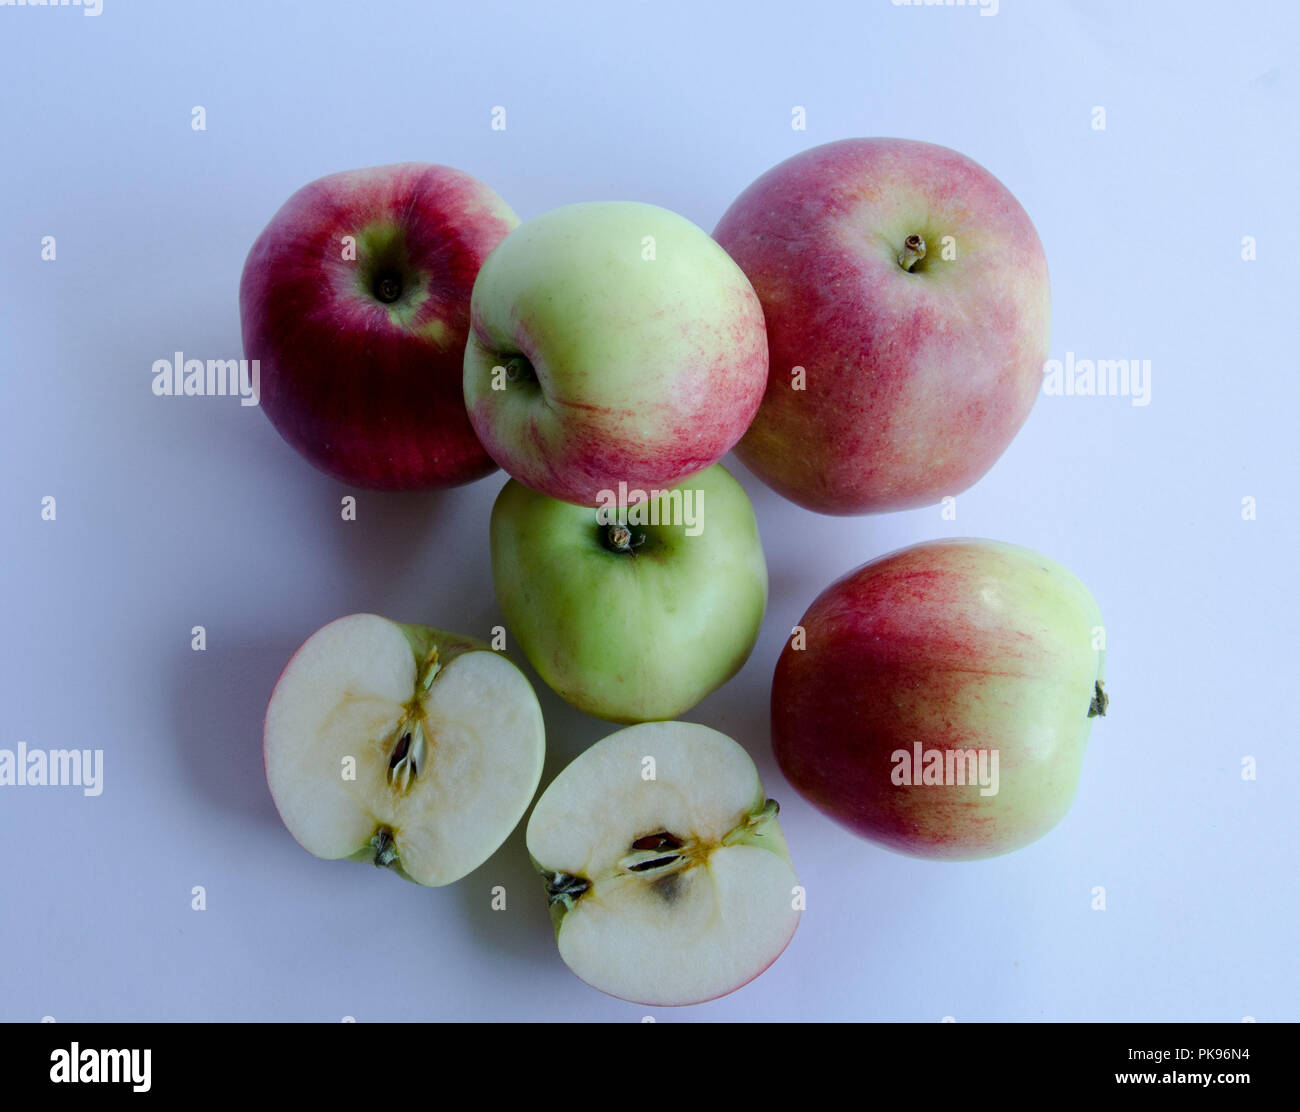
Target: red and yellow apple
pixel 355 301
pixel 910 287
pixel 938 700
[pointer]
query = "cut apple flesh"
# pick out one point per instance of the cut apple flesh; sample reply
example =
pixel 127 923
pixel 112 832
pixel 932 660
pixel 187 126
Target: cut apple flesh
pixel 665 890
pixel 403 745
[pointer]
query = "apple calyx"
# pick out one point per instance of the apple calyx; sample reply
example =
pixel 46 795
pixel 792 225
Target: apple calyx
pixel 564 889
pixel 619 538
pixel 388 287
pixel 1100 702
pixel 387 273
pixel 518 369
pixel 385 848
pixel 913 251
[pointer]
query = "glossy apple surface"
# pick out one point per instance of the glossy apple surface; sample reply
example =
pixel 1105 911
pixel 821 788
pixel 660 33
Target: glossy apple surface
pixel 612 341
pixel 953 646
pixel 355 301
pixel 917 373
pixel 642 631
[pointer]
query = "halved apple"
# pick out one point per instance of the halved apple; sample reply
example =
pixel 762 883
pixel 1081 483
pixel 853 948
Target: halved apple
pixel 404 745
pixel 668 877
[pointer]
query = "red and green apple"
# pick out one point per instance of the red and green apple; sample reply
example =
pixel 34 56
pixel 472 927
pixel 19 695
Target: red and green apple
pixel 612 342
pixel 907 305
pixel 938 700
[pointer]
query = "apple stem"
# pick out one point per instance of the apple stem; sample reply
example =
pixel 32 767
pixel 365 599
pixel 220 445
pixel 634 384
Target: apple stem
pixel 431 669
pixel 912 253
pixel 770 809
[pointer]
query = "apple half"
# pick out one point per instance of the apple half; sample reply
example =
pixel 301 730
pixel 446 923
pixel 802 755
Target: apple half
pixel 668 876
pixel 403 745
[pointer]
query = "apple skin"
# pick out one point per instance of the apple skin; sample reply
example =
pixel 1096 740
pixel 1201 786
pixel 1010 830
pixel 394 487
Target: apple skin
pixel 643 371
pixel 631 636
pixel 952 644
pixel 916 381
pixel 368 390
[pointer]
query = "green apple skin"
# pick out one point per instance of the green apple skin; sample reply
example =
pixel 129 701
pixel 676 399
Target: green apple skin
pixel 631 636
pixel 952 645
pixel 636 349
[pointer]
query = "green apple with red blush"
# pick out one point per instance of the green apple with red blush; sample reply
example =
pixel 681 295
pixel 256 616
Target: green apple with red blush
pixel 611 342
pixel 355 302
pixel 938 700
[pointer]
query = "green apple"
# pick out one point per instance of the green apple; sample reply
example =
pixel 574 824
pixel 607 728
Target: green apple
pixel 636 613
pixel 611 341
pixel 667 873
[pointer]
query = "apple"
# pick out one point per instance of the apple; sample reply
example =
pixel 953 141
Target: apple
pixel 668 877
pixel 938 700
pixel 632 611
pixel 402 745
pixel 611 341
pixel 911 288
pixel 355 302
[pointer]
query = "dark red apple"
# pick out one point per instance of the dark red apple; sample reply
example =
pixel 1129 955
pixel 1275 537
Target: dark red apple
pixel 355 301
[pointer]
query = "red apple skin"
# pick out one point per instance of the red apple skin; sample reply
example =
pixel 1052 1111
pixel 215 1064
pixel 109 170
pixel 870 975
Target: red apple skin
pixel 370 392
pixel 915 381
pixel 953 644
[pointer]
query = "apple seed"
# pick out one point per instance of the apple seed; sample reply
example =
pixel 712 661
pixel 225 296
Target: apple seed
pixel 662 840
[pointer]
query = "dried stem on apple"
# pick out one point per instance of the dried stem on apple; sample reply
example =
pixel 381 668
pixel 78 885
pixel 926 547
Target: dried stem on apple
pixel 912 253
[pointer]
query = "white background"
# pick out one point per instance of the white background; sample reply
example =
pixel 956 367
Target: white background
pixel 179 512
